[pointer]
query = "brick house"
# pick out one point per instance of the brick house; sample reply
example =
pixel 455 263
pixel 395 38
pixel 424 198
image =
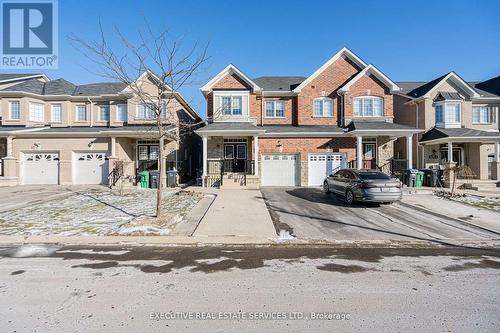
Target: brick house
pixel 294 131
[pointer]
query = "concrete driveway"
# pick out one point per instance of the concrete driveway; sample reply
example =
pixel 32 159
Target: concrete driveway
pixel 311 214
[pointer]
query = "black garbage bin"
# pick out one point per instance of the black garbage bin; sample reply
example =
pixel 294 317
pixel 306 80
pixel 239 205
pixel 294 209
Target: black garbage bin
pixel 410 177
pixel 154 179
pixel 172 178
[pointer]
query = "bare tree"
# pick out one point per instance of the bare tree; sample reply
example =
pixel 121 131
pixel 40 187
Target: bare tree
pixel 153 68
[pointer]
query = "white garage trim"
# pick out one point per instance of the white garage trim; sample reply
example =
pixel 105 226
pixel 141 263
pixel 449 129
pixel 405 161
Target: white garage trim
pixel 39 168
pixel 280 170
pixel 320 165
pixel 90 167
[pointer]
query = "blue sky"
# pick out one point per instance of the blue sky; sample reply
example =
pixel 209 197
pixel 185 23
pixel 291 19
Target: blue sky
pixel 407 40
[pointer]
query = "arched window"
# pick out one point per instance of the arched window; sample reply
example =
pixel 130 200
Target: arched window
pixel 368 106
pixel 323 107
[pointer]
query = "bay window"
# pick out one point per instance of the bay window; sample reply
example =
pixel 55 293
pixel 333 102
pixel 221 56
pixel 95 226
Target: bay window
pixel 448 114
pixel 323 107
pixel 368 106
pixel 14 110
pixel 36 112
pixel 482 115
pixel 81 112
pixel 275 109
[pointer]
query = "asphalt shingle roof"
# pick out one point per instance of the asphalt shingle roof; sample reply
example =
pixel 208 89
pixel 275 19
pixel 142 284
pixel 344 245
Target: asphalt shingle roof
pixel 4 77
pixel 448 96
pixel 302 129
pixel 63 87
pixel 279 83
pixel 375 125
pixel 439 133
pixel 229 126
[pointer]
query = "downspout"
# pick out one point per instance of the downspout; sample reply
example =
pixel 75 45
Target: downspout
pixel 90 111
pixel 262 108
pixel 416 142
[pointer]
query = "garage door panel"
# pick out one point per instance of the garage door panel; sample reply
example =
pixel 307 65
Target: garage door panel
pixel 91 168
pixel 322 165
pixel 40 169
pixel 280 170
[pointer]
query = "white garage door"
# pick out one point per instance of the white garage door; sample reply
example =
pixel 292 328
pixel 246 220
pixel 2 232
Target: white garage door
pixel 322 165
pixel 280 170
pixel 90 168
pixel 40 168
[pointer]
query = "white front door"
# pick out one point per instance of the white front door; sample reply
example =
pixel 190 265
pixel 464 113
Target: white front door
pixel 90 168
pixel 280 170
pixel 323 165
pixel 40 169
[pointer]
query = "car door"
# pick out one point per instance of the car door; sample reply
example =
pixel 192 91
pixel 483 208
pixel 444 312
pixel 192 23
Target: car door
pixel 335 182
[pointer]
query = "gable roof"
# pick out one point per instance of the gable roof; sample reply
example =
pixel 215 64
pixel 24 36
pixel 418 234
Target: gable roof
pixel 63 87
pixel 488 88
pixel 229 70
pixel 424 89
pixel 16 77
pixel 370 69
pixel 279 83
pixel 343 52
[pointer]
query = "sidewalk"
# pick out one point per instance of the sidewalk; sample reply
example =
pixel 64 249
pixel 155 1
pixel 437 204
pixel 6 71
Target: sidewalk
pixel 236 213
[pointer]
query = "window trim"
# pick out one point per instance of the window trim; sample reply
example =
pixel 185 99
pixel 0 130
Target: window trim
pixel 145 118
pixel 274 116
pixel 489 117
pixel 29 112
pixel 245 105
pixel 52 113
pixel 445 124
pixel 118 112
pixel 373 98
pixel 322 99
pixel 10 110
pixel 77 113
pixel 99 113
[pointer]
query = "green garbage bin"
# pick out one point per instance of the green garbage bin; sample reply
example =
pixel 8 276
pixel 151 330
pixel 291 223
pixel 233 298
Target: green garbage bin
pixel 144 179
pixel 419 181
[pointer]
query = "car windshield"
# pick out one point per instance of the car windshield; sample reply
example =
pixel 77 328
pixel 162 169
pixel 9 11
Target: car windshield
pixel 373 175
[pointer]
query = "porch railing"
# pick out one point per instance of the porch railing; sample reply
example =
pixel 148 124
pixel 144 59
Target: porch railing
pixel 394 167
pixel 116 173
pixel 366 164
pixel 222 166
pixel 1 167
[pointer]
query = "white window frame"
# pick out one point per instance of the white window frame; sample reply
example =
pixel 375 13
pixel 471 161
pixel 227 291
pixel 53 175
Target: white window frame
pixel 100 112
pixel 447 124
pixel 274 103
pixel 31 117
pixel 118 115
pixel 489 115
pixel 18 110
pixel 52 118
pixel 152 113
pixel 322 100
pixel 245 106
pixel 77 113
pixel 363 99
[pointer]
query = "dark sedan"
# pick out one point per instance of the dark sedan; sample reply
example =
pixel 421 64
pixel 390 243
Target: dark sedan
pixel 363 185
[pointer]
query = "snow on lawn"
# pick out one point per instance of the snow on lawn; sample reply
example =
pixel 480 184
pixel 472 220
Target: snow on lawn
pixel 483 202
pixel 100 213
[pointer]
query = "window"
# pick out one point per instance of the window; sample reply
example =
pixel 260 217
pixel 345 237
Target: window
pixel 81 113
pixel 481 115
pixel 154 152
pixel 323 107
pixel 448 114
pixel 275 109
pixel 145 111
pixel 36 112
pixel 143 153
pixel 104 112
pixel 368 106
pixel 56 113
pixel 452 113
pixel 122 112
pixel 232 105
pixel 439 113
pixel 15 110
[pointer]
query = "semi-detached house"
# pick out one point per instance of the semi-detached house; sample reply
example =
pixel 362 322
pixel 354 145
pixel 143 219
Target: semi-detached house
pixel 294 131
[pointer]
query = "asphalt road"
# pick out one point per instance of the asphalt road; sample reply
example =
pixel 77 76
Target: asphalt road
pixel 308 213
pixel 82 289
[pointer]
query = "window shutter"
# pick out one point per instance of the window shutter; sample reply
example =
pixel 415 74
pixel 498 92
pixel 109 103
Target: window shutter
pixel 244 106
pixel 217 106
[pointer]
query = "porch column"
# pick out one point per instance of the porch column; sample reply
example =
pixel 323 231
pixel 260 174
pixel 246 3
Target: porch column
pixel 497 151
pixel 113 146
pixel 359 152
pixel 9 146
pixel 495 166
pixel 409 151
pixel 205 147
pixel 450 152
pixel 256 153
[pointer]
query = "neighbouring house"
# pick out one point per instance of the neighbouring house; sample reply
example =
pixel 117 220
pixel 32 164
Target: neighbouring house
pixel 460 124
pixel 56 132
pixel 295 131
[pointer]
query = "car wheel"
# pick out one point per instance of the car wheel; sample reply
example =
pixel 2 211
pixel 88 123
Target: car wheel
pixel 326 188
pixel 349 197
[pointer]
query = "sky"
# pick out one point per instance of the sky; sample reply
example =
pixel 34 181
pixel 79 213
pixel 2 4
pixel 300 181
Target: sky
pixel 407 40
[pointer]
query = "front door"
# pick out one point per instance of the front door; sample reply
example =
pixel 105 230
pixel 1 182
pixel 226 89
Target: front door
pixel 369 155
pixel 235 155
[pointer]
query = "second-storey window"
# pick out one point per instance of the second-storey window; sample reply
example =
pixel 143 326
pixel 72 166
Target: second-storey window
pixel 36 112
pixel 368 106
pixel 439 113
pixel 323 107
pixel 232 105
pixel 275 109
pixel 145 111
pixel 482 115
pixel 448 115
pixel 81 113
pixel 104 112
pixel 122 113
pixel 56 113
pixel 452 113
pixel 14 110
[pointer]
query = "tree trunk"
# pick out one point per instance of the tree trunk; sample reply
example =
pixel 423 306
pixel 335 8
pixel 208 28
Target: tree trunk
pixel 160 170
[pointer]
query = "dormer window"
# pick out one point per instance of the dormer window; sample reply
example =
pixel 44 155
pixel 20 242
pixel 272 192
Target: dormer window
pixel 323 107
pixel 448 114
pixel 368 106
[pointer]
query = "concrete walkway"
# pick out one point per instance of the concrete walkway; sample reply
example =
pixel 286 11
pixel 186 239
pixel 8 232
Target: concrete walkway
pixel 236 213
